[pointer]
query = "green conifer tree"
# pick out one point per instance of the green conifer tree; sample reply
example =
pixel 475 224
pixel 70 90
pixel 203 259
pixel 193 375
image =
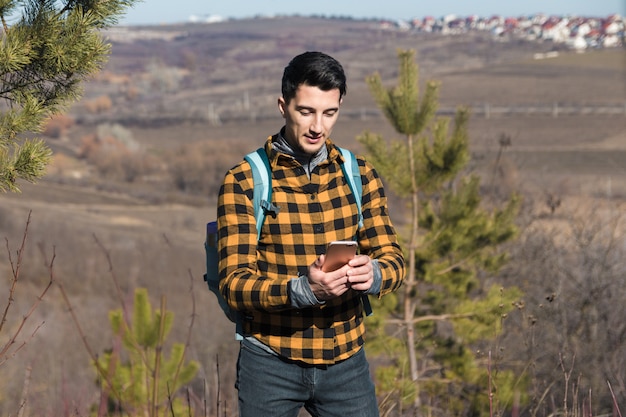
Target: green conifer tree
pixel 444 309
pixel 47 48
pixel 141 381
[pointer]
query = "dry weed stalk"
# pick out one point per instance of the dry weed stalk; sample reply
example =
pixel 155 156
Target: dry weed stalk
pixel 490 387
pixel 204 404
pixel 9 350
pixel 619 413
pixel 25 390
pixel 566 375
pixel 219 389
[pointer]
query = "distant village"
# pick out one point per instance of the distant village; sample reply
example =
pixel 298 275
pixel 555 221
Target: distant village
pixel 572 32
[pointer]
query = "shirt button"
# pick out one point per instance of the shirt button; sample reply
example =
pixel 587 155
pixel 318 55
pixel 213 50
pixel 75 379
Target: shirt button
pixel 312 196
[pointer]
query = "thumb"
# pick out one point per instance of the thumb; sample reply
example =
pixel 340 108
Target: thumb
pixel 320 261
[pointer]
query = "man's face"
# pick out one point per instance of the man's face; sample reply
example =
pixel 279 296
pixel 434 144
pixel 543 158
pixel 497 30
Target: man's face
pixel 310 117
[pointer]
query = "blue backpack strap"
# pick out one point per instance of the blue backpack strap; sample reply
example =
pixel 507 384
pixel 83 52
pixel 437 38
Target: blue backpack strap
pixel 350 168
pixel 262 176
pixel 262 196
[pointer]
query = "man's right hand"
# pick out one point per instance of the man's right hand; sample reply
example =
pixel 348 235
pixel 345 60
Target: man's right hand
pixel 327 285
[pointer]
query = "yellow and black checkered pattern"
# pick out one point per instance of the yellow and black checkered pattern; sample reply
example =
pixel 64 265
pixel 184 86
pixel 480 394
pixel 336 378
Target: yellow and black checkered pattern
pixel 254 278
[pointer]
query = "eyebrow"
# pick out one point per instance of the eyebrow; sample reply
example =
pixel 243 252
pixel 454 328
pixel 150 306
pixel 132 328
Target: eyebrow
pixel 311 109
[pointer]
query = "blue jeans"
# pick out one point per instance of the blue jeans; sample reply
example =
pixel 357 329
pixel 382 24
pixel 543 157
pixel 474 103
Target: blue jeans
pixel 270 386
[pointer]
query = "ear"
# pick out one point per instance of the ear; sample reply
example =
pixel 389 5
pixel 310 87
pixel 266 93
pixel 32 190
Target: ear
pixel 282 106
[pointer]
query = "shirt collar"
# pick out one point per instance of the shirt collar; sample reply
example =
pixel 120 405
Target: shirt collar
pixel 280 145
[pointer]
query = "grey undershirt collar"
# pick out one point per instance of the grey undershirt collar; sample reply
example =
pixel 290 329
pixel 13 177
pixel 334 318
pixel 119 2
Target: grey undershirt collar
pixel 308 162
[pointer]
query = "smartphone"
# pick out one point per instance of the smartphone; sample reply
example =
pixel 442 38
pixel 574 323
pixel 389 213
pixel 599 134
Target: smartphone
pixel 338 253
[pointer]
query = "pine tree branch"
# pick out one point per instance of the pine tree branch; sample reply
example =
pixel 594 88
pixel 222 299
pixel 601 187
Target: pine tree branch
pixel 433 317
pixel 457 264
pixel 46 56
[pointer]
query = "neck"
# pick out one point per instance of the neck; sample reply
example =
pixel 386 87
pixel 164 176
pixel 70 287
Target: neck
pixel 308 161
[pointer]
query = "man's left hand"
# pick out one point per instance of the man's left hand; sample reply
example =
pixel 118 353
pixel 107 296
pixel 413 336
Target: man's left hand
pixel 361 273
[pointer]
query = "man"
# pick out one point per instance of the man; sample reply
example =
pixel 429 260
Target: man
pixel 303 327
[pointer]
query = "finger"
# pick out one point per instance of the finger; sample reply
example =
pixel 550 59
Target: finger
pixel 363 285
pixel 364 270
pixel 358 260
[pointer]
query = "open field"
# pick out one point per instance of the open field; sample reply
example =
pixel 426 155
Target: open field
pixel 215 87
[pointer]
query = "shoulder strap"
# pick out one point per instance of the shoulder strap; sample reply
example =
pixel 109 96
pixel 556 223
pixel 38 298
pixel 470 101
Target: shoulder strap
pixel 262 176
pixel 350 168
pixel 262 196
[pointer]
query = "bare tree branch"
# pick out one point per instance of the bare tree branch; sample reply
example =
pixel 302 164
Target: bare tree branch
pixel 5 352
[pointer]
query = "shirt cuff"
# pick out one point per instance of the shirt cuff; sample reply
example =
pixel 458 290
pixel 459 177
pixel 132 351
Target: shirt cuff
pixel 300 293
pixel 378 279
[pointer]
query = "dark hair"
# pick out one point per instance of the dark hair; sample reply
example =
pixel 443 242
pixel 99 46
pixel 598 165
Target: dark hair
pixel 315 69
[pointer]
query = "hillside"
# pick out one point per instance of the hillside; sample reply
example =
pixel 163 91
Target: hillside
pixel 139 159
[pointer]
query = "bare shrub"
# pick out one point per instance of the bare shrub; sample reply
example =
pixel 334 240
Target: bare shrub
pixel 120 133
pixel 162 78
pixel 131 92
pixel 125 165
pixel 110 77
pixel 199 168
pixel 116 155
pixel 573 271
pixel 189 59
pixel 57 125
pixel 88 145
pixel 94 145
pixel 59 164
pixel 14 328
pixel 99 104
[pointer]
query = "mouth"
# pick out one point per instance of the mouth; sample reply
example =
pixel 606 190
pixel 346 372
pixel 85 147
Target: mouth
pixel 313 139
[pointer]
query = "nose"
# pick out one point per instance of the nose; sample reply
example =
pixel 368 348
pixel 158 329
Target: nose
pixel 316 124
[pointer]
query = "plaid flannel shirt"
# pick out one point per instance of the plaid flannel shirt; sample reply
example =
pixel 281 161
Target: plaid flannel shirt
pixel 254 276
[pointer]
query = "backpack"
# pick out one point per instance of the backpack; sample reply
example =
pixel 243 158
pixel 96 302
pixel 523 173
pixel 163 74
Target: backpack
pixel 262 197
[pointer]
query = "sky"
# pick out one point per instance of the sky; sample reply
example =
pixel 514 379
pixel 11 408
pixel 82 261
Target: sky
pixel 154 12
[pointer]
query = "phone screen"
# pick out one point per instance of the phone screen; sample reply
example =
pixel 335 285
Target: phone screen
pixel 338 253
